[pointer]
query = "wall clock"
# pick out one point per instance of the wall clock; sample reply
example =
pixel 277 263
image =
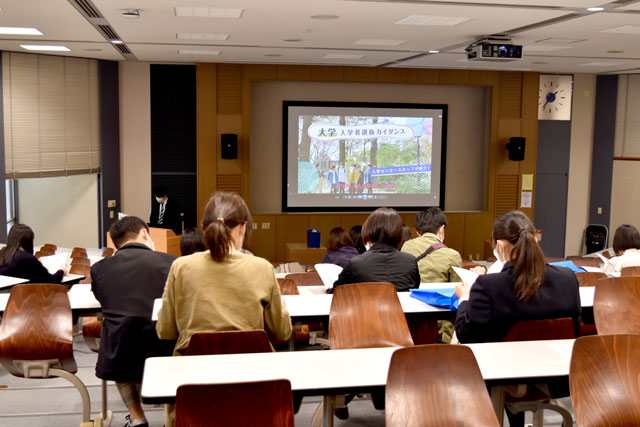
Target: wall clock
pixel 554 97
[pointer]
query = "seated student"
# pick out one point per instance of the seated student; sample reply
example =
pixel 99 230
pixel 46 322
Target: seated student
pixel 340 248
pixel 192 241
pixel 435 259
pixel 525 289
pixel 126 285
pixel 382 262
pixel 356 237
pixel 221 289
pixel 17 259
pixel 626 245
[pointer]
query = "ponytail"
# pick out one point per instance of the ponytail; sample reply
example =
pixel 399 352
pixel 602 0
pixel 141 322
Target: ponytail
pixel 223 213
pixel 526 255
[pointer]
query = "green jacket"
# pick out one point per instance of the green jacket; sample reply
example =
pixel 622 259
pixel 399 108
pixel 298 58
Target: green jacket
pixel 435 267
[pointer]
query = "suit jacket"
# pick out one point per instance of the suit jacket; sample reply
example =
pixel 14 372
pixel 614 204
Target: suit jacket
pixel 382 263
pixel 126 284
pixel 171 218
pixel 492 307
pixel 27 266
pixel 340 257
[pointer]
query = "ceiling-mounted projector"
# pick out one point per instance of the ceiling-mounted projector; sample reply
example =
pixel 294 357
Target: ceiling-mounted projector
pixel 494 49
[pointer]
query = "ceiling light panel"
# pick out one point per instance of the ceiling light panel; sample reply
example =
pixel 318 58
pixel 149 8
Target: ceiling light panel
pixel 198 52
pixel 45 48
pixel 23 31
pixel 601 64
pixel 441 21
pixel 208 12
pixel 342 56
pixel 201 36
pixel 379 42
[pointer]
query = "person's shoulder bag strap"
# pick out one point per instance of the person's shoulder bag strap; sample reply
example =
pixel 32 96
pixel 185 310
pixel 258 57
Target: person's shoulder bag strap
pixel 430 249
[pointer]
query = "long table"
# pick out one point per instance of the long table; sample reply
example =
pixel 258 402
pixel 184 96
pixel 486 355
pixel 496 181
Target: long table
pixel 352 371
pixel 81 299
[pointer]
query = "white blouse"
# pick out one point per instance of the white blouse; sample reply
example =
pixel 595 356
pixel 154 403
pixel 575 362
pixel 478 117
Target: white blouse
pixel 630 258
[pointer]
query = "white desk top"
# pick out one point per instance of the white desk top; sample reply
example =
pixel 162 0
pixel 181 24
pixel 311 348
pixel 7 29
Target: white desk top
pixel 350 369
pixel 80 298
pixel 7 281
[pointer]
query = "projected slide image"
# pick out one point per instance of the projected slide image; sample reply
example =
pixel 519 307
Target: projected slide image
pixel 364 157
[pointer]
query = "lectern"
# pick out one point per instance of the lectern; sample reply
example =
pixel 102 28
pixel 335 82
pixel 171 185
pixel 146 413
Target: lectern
pixel 164 240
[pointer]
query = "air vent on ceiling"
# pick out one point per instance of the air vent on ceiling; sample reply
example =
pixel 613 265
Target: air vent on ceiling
pixel 122 48
pixel 108 32
pixel 88 8
pixel 622 2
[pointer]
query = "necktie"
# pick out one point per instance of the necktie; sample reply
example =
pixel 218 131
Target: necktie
pixel 161 216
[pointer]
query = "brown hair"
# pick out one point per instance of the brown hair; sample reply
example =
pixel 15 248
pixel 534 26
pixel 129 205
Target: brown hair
pixel 126 229
pixel 527 257
pixel 626 237
pixel 224 212
pixel 192 241
pixel 384 225
pixel 338 238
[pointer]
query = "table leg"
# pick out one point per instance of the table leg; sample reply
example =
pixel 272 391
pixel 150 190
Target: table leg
pixel 497 399
pixel 329 403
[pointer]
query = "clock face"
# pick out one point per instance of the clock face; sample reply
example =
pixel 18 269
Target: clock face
pixel 554 97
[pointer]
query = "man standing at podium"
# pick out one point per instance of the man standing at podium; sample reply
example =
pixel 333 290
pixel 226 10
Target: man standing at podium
pixel 165 212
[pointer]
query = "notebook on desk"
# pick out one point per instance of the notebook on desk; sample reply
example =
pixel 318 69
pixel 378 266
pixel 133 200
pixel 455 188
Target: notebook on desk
pixel 328 273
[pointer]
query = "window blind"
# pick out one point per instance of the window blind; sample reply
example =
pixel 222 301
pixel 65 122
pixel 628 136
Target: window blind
pixel 51 115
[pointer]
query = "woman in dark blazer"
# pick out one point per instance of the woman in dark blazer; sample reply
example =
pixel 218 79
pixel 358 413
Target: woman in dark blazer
pixel 525 289
pixel 17 260
pixel 382 262
pixel 340 248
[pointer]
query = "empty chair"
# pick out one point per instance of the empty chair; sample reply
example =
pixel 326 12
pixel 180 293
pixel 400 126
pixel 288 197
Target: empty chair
pixel 310 278
pixel 44 252
pixel 83 270
pixel 595 238
pixel 589 278
pixel 229 342
pixel 78 252
pixel 80 261
pixel 436 385
pixel 108 252
pixel 615 305
pixel 582 261
pixel 288 287
pixel 260 403
pixel 630 271
pixel 603 377
pixel 36 339
pixel 50 247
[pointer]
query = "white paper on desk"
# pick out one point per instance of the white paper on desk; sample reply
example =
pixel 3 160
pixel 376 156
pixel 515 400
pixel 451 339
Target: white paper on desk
pixel 603 258
pixel 592 269
pixel 467 276
pixel 53 263
pixel 329 273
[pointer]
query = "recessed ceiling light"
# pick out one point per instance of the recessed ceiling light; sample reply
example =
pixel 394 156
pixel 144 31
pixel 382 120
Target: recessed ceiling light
pixel 272 55
pixel 446 21
pixel 92 50
pixel 208 12
pixel 379 42
pixel 20 31
pixel 201 36
pixel 615 51
pixel 131 14
pixel 198 52
pixel 434 51
pixel 601 64
pixel 625 29
pixel 324 17
pixel 116 41
pixel 45 47
pixel 545 47
pixel 595 9
pixel 342 56
pixel 292 39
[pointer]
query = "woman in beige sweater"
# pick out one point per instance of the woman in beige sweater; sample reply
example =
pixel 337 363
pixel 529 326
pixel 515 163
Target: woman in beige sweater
pixel 221 289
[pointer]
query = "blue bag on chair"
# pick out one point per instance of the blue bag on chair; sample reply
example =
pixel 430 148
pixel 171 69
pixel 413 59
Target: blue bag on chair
pixel 443 298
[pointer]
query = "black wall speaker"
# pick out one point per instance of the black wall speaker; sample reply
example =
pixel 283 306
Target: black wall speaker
pixel 516 148
pixel 229 146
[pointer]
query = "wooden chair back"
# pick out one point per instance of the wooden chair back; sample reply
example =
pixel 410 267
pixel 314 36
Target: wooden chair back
pixel 78 252
pixel 603 377
pixel 92 332
pixel 365 315
pixel 108 252
pixel 589 278
pixel 229 342
pixel 615 305
pixel 549 259
pixel 436 385
pixel 80 261
pixel 84 270
pixel 50 247
pixel 630 271
pixel 37 325
pixel 311 278
pixel 260 403
pixel 288 287
pixel 542 329
pixel 582 261
pixel 44 252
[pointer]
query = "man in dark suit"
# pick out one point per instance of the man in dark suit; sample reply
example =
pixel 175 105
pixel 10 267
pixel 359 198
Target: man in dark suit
pixel 165 212
pixel 126 285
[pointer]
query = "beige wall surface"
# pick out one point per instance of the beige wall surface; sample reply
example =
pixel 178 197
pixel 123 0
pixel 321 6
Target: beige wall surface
pixel 61 210
pixel 584 94
pixel 135 139
pixel 625 196
pixel 467 133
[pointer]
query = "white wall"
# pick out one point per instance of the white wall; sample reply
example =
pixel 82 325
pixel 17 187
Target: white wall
pixel 584 94
pixel 60 210
pixel 135 139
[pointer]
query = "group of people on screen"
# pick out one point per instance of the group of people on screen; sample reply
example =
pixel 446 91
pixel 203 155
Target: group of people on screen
pixel 217 286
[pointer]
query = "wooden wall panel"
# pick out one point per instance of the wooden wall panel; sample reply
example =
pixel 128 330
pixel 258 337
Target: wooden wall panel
pixel 207 133
pixel 510 95
pixel 327 74
pixel 229 88
pixel 477 229
pixel 454 231
pixel 423 76
pixel 506 194
pixel 454 77
pixel 324 224
pixel 349 220
pixel 263 241
pixel 391 75
pixel 231 182
pixel 294 72
pixel 359 74
pixel 290 229
pixel 506 129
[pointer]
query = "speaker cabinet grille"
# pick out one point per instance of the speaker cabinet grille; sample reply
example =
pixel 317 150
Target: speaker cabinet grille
pixel 229 182
pixel 510 101
pixel 506 194
pixel 229 88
